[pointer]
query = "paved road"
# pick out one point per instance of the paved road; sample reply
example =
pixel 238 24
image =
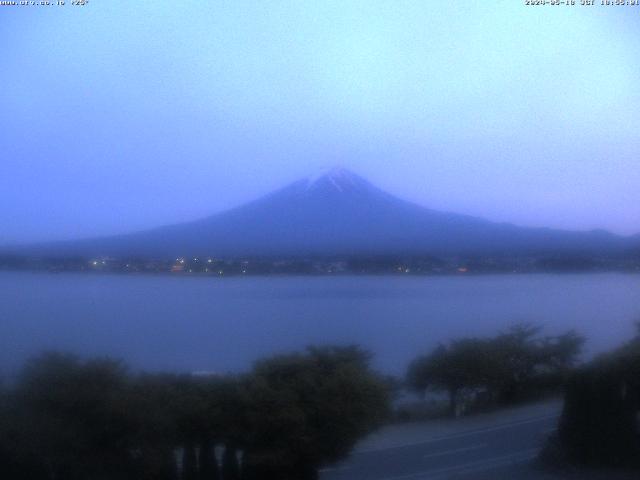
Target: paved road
pixel 496 450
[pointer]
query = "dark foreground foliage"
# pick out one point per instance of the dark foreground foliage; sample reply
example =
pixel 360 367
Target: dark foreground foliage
pixel 510 367
pixel 599 423
pixel 68 419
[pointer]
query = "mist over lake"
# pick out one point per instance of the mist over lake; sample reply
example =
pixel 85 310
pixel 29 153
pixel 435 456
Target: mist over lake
pixel 223 325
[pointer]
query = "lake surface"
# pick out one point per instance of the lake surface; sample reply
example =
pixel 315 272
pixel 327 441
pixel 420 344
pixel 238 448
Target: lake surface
pixel 213 324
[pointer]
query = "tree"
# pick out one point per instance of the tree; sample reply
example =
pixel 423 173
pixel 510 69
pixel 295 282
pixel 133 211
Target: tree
pixel 91 420
pixel 505 368
pixel 599 424
pixel 452 368
pixel 516 357
pixel 309 409
pixel 71 417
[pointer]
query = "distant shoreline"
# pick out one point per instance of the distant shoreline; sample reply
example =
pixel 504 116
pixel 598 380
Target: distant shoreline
pixel 345 265
pixel 322 275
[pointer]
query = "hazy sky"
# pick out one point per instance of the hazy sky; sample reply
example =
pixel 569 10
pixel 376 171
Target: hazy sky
pixel 127 114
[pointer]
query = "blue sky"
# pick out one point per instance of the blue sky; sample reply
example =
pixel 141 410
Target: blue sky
pixel 124 115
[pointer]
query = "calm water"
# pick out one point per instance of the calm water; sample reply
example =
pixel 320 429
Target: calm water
pixel 188 324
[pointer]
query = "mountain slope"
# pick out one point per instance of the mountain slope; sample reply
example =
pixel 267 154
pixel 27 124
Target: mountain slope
pixel 340 213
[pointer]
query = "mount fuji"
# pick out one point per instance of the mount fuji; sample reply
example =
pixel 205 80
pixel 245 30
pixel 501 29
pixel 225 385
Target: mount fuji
pixel 340 213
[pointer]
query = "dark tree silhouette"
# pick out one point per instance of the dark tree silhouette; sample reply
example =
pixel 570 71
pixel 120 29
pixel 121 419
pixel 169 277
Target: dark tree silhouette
pixel 309 409
pixel 505 368
pixel 71 418
pixel 450 368
pixel 599 420
pixel 91 420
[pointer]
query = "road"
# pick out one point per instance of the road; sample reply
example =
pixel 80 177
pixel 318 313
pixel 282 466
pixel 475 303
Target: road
pixel 500 445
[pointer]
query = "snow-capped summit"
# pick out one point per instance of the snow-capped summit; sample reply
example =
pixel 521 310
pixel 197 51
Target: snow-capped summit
pixel 337 178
